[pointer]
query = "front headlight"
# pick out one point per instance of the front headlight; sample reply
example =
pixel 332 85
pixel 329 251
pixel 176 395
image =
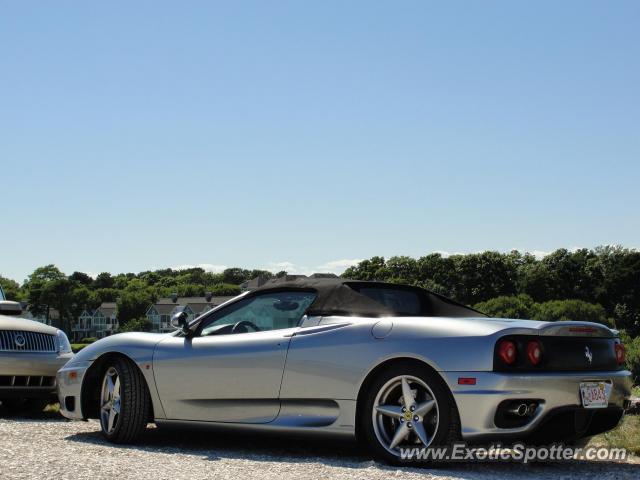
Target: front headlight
pixel 63 343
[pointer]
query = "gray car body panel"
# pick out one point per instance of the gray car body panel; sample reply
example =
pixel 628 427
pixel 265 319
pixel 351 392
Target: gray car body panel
pixel 307 379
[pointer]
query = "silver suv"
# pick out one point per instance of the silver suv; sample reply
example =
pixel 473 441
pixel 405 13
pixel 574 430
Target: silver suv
pixel 30 355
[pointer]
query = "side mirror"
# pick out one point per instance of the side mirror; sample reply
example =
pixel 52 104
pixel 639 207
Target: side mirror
pixel 10 308
pixel 180 322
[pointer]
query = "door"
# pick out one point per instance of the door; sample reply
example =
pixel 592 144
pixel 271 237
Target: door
pixel 231 370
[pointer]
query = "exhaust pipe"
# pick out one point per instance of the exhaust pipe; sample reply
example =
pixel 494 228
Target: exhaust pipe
pixel 519 410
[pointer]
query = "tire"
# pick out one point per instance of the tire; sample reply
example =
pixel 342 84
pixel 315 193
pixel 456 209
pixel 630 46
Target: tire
pixel 124 402
pixel 438 422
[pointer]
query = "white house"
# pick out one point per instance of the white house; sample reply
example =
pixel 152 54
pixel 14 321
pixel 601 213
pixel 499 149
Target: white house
pixel 98 323
pixel 53 318
pixel 160 313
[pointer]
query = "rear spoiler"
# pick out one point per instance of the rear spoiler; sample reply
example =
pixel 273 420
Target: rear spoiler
pixel 578 329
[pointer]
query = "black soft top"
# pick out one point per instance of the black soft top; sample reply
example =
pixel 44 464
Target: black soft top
pixel 337 296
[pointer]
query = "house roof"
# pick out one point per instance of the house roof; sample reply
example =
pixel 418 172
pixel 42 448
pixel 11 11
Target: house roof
pixel 107 308
pixel 53 314
pixel 165 306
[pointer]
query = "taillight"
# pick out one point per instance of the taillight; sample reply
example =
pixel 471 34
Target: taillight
pixel 534 352
pixel 507 351
pixel 620 353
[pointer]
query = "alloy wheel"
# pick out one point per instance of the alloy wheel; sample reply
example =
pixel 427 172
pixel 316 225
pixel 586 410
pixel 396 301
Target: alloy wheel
pixel 110 401
pixel 405 414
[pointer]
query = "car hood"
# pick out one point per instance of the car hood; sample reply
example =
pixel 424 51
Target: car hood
pixel 22 324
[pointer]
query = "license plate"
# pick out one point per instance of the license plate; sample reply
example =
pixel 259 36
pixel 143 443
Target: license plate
pixel 595 394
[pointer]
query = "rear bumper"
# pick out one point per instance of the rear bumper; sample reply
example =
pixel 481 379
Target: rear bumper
pixel 30 375
pixel 558 393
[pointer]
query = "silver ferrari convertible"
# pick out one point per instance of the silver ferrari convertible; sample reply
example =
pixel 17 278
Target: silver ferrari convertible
pixel 391 365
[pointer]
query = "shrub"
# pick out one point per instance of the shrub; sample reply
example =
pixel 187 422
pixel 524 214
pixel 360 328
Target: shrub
pixel 88 340
pixel 570 310
pixel 225 289
pixel 632 346
pixel 520 306
pixel 137 325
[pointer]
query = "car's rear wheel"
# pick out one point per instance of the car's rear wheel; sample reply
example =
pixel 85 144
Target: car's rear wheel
pixel 407 407
pixel 124 402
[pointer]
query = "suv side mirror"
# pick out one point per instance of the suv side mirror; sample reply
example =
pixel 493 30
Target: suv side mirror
pixel 180 322
pixel 10 308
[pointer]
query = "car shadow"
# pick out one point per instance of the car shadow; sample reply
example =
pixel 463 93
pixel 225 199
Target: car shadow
pixel 215 445
pixel 22 416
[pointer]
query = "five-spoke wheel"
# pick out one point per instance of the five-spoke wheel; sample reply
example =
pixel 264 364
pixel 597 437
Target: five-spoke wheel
pixel 405 413
pixel 407 406
pixel 110 401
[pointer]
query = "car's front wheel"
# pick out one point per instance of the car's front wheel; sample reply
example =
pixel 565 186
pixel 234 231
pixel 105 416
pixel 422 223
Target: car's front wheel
pixel 407 407
pixel 124 402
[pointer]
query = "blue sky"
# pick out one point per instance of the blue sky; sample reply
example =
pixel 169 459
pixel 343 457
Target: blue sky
pixel 141 135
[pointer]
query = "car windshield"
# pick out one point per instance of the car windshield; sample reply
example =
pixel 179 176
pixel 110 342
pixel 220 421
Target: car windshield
pixel 269 311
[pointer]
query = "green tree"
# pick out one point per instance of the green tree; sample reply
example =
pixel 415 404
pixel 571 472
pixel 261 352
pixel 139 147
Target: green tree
pixel 132 304
pixel 81 278
pixel 57 294
pixel 372 269
pixel 402 269
pixel 236 275
pixel 12 289
pixel 103 280
pixel 102 295
pixel 79 300
pixel 481 276
pixel 437 273
pixel 40 295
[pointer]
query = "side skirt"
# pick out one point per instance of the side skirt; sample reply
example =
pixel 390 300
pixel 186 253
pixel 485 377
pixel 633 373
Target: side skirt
pixel 313 417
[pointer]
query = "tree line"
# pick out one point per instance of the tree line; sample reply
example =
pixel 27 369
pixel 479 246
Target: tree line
pixel 48 288
pixel 600 284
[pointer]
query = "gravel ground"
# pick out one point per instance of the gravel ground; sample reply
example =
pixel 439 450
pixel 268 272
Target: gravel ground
pixel 50 447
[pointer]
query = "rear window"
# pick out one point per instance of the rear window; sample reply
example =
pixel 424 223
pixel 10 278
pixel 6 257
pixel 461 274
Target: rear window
pixel 401 301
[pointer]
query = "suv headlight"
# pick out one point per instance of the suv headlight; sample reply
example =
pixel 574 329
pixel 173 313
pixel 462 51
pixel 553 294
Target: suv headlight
pixel 63 343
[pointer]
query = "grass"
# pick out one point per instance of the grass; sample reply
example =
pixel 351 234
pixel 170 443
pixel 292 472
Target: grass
pixel 635 391
pixel 76 347
pixel 626 435
pixel 52 408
